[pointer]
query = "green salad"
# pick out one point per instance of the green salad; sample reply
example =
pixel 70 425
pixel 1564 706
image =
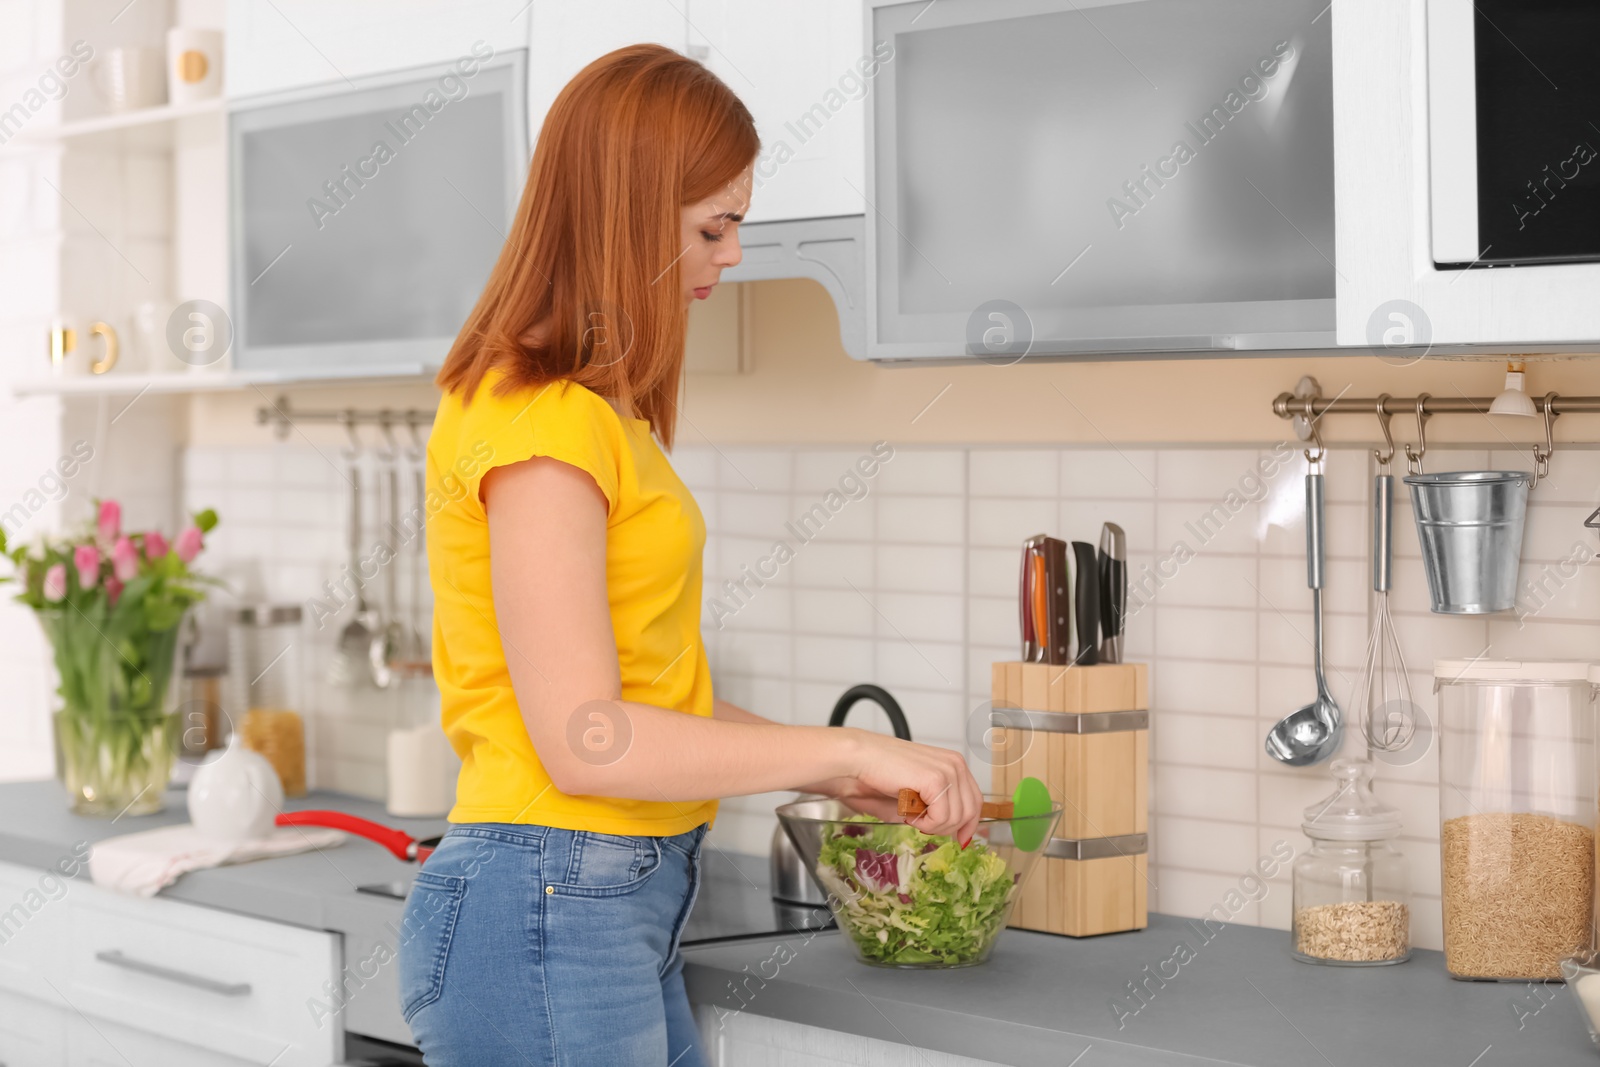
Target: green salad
pixel 910 898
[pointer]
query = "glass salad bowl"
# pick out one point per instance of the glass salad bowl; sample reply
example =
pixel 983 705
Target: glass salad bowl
pixel 910 899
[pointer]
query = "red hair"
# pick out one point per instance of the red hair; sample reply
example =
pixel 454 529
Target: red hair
pixel 633 138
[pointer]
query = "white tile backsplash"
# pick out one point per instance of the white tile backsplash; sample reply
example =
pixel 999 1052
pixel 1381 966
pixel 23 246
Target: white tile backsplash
pixel 913 587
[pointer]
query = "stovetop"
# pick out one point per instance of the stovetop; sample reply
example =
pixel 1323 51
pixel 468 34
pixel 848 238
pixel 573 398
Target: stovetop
pixel 735 900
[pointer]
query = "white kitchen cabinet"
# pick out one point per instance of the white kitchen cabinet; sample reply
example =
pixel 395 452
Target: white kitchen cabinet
pixel 33 917
pixel 802 70
pixel 104 1044
pixel 1383 207
pixel 745 1039
pixel 31 1033
pixel 566 35
pixel 161 982
pixel 274 45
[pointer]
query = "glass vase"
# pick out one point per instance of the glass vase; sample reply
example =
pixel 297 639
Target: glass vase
pixel 116 733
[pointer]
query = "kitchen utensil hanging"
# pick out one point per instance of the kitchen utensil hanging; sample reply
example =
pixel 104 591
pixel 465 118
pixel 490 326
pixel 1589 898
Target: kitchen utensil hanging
pixel 384 649
pixel 355 640
pixel 415 658
pixel 1381 703
pixel 1312 733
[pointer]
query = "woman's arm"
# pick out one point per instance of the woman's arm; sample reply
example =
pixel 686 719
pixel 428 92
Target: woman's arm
pixel 547 534
pixel 843 786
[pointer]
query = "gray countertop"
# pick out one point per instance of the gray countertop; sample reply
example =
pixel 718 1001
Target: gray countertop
pixel 1240 998
pixel 1041 999
pixel 313 889
pixel 318 890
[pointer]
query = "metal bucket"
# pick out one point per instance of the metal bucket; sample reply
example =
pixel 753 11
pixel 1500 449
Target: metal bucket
pixel 1470 526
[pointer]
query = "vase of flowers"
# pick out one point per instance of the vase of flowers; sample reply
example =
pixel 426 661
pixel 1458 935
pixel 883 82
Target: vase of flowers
pixel 112 605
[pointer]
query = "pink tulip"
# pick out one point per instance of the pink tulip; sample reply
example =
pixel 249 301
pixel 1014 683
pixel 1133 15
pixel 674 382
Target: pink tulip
pixel 155 546
pixel 109 524
pixel 113 590
pixel 125 560
pixel 86 558
pixel 189 543
pixel 55 583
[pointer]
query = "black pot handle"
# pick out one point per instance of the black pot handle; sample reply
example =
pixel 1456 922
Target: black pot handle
pixel 877 695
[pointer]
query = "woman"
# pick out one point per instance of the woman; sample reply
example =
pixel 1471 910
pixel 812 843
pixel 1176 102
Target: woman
pixel 565 560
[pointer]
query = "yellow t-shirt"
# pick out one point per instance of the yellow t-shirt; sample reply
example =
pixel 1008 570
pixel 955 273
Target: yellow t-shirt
pixel 655 536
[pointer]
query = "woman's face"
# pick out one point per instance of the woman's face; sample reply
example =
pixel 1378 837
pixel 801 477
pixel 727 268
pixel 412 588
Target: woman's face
pixel 711 237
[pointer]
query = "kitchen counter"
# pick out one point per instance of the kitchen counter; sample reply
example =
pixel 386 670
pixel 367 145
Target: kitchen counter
pixel 1236 997
pixel 319 890
pixel 1041 999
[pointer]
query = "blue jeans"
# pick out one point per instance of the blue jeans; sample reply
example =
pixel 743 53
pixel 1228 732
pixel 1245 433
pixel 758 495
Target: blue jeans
pixel 537 946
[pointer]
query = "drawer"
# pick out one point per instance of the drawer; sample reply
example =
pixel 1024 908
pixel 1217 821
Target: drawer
pixel 31 1034
pixel 223 982
pixel 105 1044
pixel 33 912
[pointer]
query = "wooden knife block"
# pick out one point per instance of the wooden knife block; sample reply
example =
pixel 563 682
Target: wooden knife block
pixel 1084 732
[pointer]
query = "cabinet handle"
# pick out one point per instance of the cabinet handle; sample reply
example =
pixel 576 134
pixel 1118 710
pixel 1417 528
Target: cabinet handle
pixel 155 970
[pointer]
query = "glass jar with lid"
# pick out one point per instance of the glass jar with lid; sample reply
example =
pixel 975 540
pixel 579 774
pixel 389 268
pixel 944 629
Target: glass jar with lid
pixel 1352 890
pixel 264 659
pixel 1517 792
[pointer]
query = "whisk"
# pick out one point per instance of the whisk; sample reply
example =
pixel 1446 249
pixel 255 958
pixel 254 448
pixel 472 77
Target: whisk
pixel 1382 700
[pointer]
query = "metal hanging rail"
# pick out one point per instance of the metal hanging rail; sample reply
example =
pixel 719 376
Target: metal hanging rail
pixel 1306 406
pixel 282 418
pixel 1288 405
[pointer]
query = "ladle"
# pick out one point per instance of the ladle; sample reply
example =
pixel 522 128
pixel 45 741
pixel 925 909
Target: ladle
pixel 1313 733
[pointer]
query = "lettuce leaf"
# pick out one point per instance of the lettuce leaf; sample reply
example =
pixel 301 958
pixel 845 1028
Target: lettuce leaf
pixel 906 897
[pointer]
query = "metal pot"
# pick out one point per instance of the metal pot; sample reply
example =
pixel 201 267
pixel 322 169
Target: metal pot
pixel 791 881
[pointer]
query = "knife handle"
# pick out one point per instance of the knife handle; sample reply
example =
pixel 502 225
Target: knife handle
pixel 1088 603
pixel 1056 607
pixel 1029 618
pixel 1113 606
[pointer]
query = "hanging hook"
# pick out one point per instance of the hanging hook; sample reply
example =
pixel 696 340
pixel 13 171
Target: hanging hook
pixel 347 419
pixel 1384 458
pixel 413 417
pixel 1541 456
pixel 1414 459
pixel 1312 422
pixel 386 425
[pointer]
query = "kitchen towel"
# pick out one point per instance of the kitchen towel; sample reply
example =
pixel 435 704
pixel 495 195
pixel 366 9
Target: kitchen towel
pixel 144 863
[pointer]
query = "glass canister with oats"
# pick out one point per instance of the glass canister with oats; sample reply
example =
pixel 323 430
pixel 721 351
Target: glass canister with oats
pixel 1352 889
pixel 1517 794
pixel 265 692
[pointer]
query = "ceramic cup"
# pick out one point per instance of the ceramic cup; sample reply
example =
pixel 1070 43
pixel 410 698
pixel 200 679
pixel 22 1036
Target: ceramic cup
pixel 77 350
pixel 130 78
pixel 194 64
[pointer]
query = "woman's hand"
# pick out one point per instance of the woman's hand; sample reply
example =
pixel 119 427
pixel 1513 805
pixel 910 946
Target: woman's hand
pixel 885 765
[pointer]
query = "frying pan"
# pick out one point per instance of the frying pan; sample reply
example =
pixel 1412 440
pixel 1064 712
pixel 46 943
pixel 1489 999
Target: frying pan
pixel 402 844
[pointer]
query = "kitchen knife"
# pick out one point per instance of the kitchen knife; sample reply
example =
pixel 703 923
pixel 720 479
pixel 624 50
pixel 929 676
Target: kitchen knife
pixel 1087 573
pixel 1113 591
pixel 1042 598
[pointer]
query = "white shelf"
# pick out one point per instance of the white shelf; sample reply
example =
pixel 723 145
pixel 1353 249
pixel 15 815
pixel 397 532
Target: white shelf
pixel 115 384
pixel 150 127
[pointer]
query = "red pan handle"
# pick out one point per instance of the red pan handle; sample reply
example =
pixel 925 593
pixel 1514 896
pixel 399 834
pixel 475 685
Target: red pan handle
pixel 402 844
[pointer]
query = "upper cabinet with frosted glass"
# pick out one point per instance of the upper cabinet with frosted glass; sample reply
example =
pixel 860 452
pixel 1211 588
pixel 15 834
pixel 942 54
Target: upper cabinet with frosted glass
pixel 1100 177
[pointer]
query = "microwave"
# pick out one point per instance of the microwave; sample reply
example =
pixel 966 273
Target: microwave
pixel 1514 132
